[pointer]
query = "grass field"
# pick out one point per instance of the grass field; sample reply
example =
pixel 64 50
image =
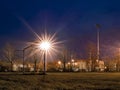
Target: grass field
pixel 60 81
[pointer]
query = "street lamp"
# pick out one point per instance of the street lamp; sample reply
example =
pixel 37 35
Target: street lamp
pixel 73 63
pixel 45 46
pixel 48 46
pixel 69 66
pixel 23 56
pixel 72 60
pixel 76 63
pixel 98 45
pixel 59 63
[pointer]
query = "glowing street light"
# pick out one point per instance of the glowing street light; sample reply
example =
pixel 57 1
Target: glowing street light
pixel 73 60
pixel 59 62
pixel 45 46
pixel 73 63
pixel 68 63
pixel 69 66
pixel 48 46
pixel 76 63
pixel 47 43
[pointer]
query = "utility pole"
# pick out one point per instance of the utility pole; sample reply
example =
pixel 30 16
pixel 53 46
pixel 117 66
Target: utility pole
pixel 98 47
pixel 98 41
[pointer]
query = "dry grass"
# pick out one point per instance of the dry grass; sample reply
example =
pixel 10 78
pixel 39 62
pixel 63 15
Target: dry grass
pixel 60 81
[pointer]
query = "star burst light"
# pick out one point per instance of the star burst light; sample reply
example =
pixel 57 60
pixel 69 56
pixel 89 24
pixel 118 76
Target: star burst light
pixel 48 44
pixel 45 45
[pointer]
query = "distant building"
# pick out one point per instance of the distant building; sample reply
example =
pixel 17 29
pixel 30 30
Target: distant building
pixel 84 65
pixel 19 67
pixel 101 65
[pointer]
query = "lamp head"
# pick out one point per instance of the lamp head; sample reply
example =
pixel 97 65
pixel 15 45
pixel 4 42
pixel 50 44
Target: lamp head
pixel 45 45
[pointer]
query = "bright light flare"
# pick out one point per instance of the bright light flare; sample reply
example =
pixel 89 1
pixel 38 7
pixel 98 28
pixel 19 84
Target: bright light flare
pixel 76 63
pixel 72 60
pixel 59 62
pixel 68 63
pixel 54 47
pixel 45 45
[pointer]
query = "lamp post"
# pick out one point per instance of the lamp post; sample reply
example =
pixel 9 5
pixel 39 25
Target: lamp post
pixel 73 61
pixel 23 56
pixel 98 41
pixel 45 46
pixel 98 46
pixel 73 64
pixel 69 66
pixel 44 64
pixel 59 63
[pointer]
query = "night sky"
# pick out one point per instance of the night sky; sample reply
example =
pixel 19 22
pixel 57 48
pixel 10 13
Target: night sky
pixel 73 20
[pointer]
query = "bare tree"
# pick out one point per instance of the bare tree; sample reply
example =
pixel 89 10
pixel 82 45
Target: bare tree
pixel 61 56
pixel 35 63
pixel 64 57
pixel 117 62
pixel 91 49
pixel 9 54
pixel 32 55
